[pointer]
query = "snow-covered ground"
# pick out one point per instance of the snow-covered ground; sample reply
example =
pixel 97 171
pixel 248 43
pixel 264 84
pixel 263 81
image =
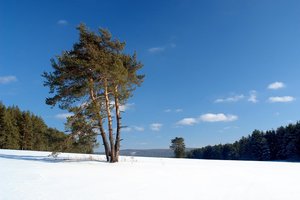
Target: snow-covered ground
pixel 31 175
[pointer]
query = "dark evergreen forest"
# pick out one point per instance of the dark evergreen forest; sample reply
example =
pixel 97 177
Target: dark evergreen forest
pixel 280 144
pixel 23 130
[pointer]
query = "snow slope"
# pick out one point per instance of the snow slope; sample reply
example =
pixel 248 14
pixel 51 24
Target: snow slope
pixel 31 175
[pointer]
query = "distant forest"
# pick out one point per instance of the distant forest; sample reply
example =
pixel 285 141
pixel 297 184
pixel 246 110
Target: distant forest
pixel 24 131
pixel 280 144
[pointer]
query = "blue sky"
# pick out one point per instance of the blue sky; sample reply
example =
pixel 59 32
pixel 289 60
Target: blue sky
pixel 215 70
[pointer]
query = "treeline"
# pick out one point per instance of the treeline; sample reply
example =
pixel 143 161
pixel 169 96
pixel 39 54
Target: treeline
pixel 22 130
pixel 280 144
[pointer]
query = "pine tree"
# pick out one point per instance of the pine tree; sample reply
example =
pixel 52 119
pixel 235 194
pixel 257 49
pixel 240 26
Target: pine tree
pixel 2 126
pixel 11 132
pixel 26 133
pixel 93 74
pixel 178 146
pixel 39 130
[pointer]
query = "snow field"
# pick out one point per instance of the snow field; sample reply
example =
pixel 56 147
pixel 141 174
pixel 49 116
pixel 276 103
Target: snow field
pixel 31 175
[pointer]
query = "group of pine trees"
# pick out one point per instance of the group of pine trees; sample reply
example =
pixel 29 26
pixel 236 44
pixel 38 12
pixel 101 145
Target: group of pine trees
pixel 280 144
pixel 24 131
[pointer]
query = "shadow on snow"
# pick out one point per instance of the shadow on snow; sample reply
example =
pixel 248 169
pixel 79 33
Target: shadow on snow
pixel 47 159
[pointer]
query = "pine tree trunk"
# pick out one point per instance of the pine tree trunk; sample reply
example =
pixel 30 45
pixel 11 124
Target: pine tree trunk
pixel 109 121
pixel 104 139
pixel 118 118
pixel 100 122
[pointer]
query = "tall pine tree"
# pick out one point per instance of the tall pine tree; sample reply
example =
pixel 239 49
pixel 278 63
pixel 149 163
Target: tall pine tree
pixel 88 78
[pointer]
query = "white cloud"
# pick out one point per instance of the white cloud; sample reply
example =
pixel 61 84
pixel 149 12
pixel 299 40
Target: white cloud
pixel 208 117
pixel 219 117
pixel 7 79
pixel 155 126
pixel 63 115
pixel 133 128
pixel 230 127
pixel 156 49
pixel 127 129
pixel 188 121
pixel 230 99
pixel 138 128
pixel 253 96
pixel 176 110
pixel 282 99
pixel 62 22
pixel 276 85
pixel 125 107
pixel 142 143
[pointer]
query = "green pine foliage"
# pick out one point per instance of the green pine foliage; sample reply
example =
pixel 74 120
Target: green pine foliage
pixel 25 131
pixel 178 146
pixel 280 144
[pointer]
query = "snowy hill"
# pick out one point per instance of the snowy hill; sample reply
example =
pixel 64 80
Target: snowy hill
pixel 30 175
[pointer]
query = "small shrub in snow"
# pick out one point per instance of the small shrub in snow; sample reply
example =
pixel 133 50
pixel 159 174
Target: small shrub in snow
pixel 54 154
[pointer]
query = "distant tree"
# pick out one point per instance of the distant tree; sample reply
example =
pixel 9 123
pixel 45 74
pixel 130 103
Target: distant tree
pixel 2 126
pixel 272 141
pixel 26 133
pixel 282 143
pixel 39 129
pixel 178 146
pixel 256 145
pixel 12 138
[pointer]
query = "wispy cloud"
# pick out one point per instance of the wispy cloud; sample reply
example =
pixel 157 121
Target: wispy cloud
pixel 234 98
pixel 188 121
pixel 133 128
pixel 138 128
pixel 253 96
pixel 127 106
pixel 127 129
pixel 177 110
pixel 156 126
pixel 276 85
pixel 62 22
pixel 227 128
pixel 156 49
pixel 173 45
pixel 230 127
pixel 63 116
pixel 219 117
pixel 7 79
pixel 282 99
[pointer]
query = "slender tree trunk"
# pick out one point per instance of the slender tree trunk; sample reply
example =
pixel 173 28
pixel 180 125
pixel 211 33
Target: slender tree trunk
pixel 109 121
pixel 104 139
pixel 118 118
pixel 100 122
